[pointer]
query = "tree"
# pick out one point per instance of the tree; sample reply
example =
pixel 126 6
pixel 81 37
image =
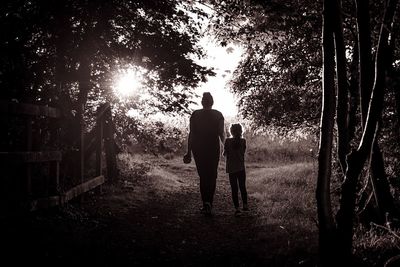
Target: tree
pixel 357 158
pixel 278 80
pixel 324 206
pixel 348 63
pixel 65 54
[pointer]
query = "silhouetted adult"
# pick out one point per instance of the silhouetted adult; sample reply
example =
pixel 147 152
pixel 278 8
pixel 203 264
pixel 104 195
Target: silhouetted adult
pixel 206 133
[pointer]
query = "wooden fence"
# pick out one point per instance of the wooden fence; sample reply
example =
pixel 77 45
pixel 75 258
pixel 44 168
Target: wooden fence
pixel 18 164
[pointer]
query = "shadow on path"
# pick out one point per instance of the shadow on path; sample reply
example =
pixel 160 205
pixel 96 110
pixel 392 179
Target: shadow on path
pixel 120 227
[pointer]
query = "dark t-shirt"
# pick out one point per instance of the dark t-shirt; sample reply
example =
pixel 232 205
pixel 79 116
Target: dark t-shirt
pixel 205 128
pixel 234 154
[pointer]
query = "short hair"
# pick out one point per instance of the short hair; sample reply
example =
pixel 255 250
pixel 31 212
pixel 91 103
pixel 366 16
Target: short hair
pixel 207 100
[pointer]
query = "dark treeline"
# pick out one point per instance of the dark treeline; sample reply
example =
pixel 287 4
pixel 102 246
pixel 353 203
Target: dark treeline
pixel 303 59
pixel 279 84
pixel 65 54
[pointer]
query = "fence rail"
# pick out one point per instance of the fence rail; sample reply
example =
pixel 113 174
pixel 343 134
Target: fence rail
pixel 99 140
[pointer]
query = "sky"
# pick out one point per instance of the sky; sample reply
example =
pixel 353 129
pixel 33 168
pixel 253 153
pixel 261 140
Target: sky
pixel 224 60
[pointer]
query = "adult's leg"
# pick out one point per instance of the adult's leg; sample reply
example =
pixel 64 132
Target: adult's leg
pixel 207 168
pixel 233 180
pixel 242 186
pixel 199 160
pixel 211 183
pixel 201 170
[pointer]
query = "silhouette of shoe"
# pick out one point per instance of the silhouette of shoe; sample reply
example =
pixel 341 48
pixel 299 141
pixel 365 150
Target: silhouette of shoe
pixel 207 208
pixel 187 159
pixel 238 212
pixel 203 210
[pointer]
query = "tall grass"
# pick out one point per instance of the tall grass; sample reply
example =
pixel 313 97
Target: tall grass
pixel 281 182
pixel 266 148
pixel 376 244
pixel 286 194
pixel 282 179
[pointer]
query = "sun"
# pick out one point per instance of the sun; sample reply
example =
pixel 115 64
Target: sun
pixel 128 83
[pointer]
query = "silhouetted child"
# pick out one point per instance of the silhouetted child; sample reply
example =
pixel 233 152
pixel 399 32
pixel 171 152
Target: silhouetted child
pixel 234 150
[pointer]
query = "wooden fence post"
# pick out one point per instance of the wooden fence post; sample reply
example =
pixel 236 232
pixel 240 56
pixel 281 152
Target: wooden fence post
pixel 29 145
pixel 109 144
pixel 99 146
pixel 55 166
pixel 24 193
pixel 81 147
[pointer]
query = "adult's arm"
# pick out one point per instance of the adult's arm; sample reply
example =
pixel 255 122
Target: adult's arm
pixel 221 130
pixel 189 144
pixel 225 148
pixel 190 137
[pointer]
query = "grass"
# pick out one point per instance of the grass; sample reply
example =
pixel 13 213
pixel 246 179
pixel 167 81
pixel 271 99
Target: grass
pixel 285 194
pixel 283 171
pixel 282 179
pixel 283 174
pixel 376 244
pixel 264 148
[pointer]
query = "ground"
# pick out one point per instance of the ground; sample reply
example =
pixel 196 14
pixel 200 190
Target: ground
pixel 154 219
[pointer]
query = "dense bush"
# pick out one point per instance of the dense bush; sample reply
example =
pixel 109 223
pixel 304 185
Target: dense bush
pixel 151 135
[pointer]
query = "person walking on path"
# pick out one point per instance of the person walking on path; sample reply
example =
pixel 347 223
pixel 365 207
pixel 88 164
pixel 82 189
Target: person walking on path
pixel 206 133
pixel 234 149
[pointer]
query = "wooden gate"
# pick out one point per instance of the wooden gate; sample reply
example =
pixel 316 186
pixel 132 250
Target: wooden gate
pixel 31 175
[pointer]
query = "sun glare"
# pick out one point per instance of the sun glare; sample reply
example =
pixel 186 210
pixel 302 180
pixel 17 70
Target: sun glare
pixel 128 83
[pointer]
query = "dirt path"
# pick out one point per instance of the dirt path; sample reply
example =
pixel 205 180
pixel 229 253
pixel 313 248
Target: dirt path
pixel 152 221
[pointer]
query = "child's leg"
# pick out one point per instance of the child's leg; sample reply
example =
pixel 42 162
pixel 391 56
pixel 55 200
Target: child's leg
pixel 242 185
pixel 234 187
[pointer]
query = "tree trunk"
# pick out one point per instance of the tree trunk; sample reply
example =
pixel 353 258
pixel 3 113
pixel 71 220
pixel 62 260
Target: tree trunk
pixel 356 159
pixel 342 88
pixel 381 185
pixel 84 81
pixel 365 56
pixel 397 97
pixel 109 145
pixel 325 217
pixel 354 94
pixel 395 78
pixel 378 177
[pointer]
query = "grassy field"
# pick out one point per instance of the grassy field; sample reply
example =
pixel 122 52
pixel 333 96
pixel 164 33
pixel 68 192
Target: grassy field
pixel 283 174
pixel 281 180
pixel 281 185
pixel 281 177
pixel 280 150
pixel 150 217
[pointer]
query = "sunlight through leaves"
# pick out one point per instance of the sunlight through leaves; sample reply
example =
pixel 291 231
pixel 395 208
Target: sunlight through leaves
pixel 129 82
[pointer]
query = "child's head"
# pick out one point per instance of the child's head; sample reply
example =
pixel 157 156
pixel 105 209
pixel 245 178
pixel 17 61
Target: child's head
pixel 236 130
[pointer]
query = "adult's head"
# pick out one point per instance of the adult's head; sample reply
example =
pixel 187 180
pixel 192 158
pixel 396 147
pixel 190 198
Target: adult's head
pixel 207 101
